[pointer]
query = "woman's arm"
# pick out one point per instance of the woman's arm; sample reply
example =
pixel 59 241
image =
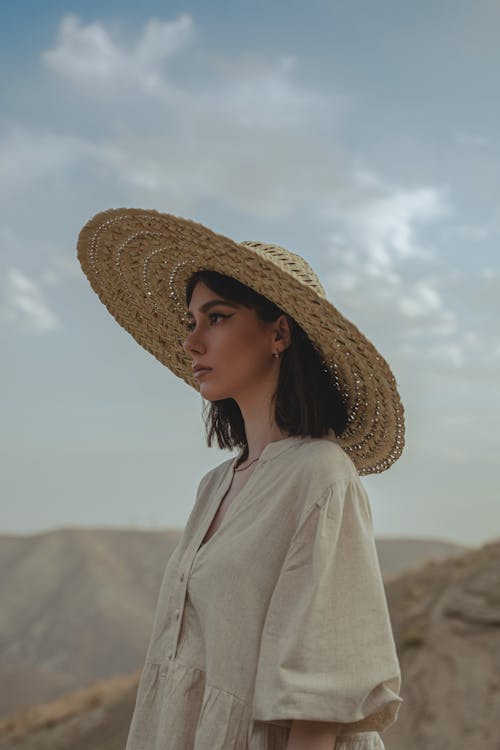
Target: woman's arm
pixel 312 735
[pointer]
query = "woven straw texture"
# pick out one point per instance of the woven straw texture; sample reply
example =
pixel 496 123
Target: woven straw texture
pixel 138 262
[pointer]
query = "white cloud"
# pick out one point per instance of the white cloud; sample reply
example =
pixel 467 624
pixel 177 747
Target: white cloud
pixel 27 157
pixel 215 137
pixel 380 273
pixel 258 94
pixel 62 268
pixel 248 91
pixel 450 355
pixel 376 233
pixel 263 144
pixel 23 305
pixel 385 225
pixel 424 300
pixel 89 57
pixel 485 295
pixel 465 232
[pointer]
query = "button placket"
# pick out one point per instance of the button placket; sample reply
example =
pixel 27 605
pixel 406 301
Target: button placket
pixel 178 604
pixel 179 597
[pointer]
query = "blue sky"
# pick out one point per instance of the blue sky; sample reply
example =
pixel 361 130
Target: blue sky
pixel 362 136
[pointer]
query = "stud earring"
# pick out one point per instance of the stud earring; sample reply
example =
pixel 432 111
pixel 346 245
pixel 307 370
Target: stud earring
pixel 276 354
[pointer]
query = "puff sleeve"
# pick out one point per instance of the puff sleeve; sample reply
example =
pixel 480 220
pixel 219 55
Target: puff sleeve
pixel 327 651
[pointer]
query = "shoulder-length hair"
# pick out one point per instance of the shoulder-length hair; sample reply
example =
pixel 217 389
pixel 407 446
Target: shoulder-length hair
pixel 307 401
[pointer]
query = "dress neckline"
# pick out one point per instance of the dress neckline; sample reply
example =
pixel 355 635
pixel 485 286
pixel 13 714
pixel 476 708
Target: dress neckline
pixel 277 447
pixel 272 450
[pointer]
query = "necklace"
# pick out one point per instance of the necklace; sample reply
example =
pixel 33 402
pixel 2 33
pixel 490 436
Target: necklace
pixel 251 462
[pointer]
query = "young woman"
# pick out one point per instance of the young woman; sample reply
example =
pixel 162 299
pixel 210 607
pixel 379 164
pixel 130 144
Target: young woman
pixel 271 630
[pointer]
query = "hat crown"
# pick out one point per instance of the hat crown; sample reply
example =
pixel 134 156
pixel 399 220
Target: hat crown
pixel 290 262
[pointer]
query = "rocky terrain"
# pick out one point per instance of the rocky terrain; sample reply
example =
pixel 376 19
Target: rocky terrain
pixel 77 607
pixel 446 621
pixel 445 615
pixel 96 718
pixel 78 604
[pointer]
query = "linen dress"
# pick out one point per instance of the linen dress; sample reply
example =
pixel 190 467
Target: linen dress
pixel 280 615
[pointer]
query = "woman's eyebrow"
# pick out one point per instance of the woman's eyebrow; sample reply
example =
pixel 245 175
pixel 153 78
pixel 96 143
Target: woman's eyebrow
pixel 212 303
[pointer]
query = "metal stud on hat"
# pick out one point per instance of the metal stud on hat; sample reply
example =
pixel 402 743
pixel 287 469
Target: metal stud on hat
pixel 138 263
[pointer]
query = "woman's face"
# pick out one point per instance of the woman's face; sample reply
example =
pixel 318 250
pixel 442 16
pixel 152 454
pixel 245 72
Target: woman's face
pixel 231 340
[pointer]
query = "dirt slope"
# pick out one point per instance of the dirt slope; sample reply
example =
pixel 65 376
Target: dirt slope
pixel 446 620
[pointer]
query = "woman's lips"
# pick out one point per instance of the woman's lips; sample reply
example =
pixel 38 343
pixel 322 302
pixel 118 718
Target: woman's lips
pixel 198 373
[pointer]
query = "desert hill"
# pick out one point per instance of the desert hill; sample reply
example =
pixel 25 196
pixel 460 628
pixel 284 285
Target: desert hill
pixel 95 718
pixel 446 620
pixel 78 604
pixel 401 554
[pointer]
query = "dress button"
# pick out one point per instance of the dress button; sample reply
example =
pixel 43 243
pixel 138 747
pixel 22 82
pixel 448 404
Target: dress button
pixel 177 614
pixel 182 576
pixel 170 655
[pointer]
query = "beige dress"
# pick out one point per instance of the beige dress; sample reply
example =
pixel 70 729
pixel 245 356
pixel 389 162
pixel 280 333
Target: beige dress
pixel 280 615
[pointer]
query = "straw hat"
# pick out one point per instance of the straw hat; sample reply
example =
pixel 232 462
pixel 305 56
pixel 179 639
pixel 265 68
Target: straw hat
pixel 138 262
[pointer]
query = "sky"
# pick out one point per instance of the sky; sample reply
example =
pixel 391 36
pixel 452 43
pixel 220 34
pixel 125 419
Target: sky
pixel 363 136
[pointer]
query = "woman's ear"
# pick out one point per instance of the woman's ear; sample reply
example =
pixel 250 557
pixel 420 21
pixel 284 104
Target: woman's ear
pixel 283 330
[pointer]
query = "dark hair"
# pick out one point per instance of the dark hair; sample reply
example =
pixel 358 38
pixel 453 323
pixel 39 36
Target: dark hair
pixel 307 400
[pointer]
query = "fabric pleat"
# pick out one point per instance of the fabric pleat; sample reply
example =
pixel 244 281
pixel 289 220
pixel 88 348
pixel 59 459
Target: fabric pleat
pixel 188 714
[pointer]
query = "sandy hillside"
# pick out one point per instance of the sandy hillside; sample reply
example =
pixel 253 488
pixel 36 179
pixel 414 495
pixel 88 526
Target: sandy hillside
pixel 446 619
pixel 78 604
pixel 77 607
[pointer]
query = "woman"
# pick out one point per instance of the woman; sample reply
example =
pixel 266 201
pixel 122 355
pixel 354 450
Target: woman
pixel 271 630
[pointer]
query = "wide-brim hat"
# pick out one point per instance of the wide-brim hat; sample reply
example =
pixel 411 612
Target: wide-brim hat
pixel 138 263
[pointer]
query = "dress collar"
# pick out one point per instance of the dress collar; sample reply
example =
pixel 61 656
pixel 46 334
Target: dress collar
pixel 277 447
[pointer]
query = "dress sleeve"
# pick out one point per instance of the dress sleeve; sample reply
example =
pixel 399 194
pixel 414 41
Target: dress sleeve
pixel 327 650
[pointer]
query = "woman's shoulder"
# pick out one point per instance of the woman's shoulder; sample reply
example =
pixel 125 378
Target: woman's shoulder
pixel 325 459
pixel 304 475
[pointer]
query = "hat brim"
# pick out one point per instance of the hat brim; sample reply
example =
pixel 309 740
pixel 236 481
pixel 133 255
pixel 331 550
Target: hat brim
pixel 138 262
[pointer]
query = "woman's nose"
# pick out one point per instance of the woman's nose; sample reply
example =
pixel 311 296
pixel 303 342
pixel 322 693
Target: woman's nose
pixel 191 342
pixel 186 344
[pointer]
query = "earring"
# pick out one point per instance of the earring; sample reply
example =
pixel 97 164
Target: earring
pixel 276 354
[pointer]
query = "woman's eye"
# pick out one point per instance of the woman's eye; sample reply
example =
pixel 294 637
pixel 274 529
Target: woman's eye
pixel 211 316
pixel 216 315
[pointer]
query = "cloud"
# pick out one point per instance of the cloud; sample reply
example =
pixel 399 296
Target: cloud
pixel 486 296
pixel 255 94
pixel 60 269
pixel 384 219
pixel 88 57
pixel 248 132
pixel 250 91
pixel 476 233
pixel 23 305
pixel 387 280
pixel 28 157
pixel 377 231
pixel 424 300
pixel 216 136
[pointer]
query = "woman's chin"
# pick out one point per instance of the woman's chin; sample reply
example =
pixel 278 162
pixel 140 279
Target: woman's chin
pixel 211 393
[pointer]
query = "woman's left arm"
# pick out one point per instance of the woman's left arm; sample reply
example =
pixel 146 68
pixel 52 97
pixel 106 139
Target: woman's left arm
pixel 312 735
pixel 327 652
